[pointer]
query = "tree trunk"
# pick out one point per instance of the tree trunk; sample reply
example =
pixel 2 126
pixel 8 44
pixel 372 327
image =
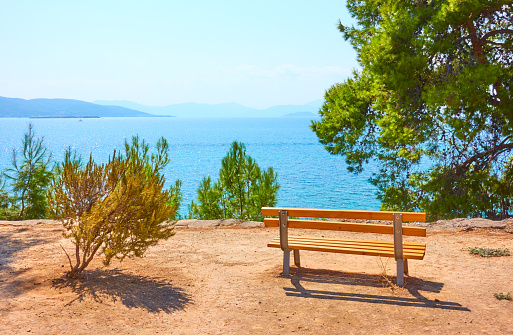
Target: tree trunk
pixel 477 47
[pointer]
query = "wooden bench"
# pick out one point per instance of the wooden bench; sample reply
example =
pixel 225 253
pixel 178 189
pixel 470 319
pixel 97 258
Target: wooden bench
pixel 395 248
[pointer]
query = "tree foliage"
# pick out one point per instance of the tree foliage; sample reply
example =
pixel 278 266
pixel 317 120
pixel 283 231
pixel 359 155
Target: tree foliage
pixel 240 192
pixel 7 212
pixel 432 104
pixel 30 176
pixel 119 208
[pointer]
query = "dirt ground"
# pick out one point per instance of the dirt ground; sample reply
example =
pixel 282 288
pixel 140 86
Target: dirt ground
pixel 225 280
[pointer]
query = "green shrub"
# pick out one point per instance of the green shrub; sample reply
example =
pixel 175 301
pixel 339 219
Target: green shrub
pixel 8 211
pixel 240 192
pixel 485 252
pixel 30 177
pixel 502 296
pixel 119 208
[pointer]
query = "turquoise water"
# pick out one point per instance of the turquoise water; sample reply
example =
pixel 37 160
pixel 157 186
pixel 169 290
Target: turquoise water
pixel 308 175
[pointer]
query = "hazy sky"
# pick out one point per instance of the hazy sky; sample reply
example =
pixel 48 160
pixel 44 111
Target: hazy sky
pixel 160 52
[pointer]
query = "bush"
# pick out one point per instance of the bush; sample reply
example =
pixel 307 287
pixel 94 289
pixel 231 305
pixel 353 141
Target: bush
pixel 7 209
pixel 240 192
pixel 119 208
pixel 30 177
pixel 486 252
pixel 502 296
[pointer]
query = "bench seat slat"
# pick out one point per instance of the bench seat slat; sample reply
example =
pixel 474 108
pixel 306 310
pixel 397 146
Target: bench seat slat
pixel 369 242
pixel 345 226
pixel 420 249
pixel 416 252
pixel 359 247
pixel 346 250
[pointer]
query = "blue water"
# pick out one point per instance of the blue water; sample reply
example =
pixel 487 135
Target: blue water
pixel 308 175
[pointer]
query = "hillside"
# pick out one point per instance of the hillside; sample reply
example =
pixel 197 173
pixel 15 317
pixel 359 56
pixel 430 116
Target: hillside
pixel 12 107
pixel 193 109
pixel 15 108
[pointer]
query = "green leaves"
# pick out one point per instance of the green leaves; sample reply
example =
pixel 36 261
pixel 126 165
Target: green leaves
pixel 30 176
pixel 348 121
pixel 119 208
pixel 240 192
pixel 432 104
pixel 8 210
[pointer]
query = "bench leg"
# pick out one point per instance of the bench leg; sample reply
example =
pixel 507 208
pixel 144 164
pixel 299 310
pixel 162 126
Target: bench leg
pixel 400 272
pixel 286 262
pixel 406 267
pixel 296 258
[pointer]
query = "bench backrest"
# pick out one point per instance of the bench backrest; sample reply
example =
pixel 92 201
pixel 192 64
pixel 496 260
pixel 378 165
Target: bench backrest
pixel 344 214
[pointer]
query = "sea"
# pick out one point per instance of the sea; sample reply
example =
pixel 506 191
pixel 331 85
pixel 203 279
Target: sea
pixel 309 176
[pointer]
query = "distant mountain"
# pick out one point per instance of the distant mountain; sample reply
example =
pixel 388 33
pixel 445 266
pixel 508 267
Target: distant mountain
pixel 301 114
pixel 193 109
pixel 317 103
pixel 12 107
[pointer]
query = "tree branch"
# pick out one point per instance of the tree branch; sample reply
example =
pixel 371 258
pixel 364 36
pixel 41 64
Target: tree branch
pixel 69 259
pixel 493 43
pixel 495 32
pixel 493 152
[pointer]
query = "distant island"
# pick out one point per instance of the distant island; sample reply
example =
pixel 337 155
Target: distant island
pixel 69 108
pixel 45 108
pixel 65 117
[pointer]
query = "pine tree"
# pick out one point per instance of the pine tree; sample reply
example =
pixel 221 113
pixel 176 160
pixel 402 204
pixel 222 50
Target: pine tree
pixel 240 192
pixel 30 175
pixel 431 105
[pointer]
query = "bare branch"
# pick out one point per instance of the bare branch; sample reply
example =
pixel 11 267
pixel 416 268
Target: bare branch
pixel 69 259
pixel 493 43
pixel 495 32
pixel 493 152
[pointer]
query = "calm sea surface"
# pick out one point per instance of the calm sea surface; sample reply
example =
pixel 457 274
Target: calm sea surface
pixel 308 175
